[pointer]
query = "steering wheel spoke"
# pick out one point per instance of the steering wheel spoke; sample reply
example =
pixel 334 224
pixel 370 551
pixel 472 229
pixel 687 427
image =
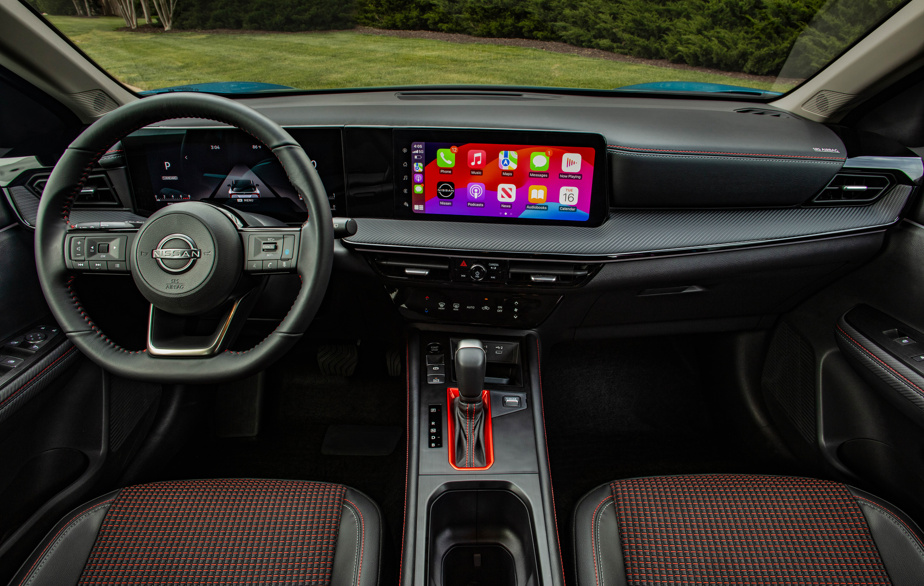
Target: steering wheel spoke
pixel 199 336
pixel 270 250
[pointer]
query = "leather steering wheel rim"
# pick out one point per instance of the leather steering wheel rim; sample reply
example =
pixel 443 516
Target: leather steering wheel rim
pixel 313 262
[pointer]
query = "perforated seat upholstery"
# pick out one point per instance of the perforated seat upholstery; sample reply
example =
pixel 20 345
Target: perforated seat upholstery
pixel 279 532
pixel 738 529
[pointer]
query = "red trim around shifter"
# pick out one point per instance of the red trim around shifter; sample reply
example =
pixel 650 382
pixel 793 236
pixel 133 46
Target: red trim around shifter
pixel 451 395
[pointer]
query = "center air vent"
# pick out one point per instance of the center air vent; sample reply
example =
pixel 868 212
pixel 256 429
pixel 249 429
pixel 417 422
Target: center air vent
pixel 848 188
pixel 536 273
pixel 413 267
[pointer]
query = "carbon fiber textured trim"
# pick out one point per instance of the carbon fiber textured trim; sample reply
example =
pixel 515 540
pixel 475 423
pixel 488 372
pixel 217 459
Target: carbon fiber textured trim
pixel 27 205
pixel 789 377
pixel 636 231
pixel 901 379
pixel 34 380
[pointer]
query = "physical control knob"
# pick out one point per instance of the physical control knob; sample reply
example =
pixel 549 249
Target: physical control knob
pixel 477 272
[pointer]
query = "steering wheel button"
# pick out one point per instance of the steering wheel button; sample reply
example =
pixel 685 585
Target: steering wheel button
pixel 269 265
pixel 78 248
pixel 80 265
pixel 98 265
pixel 288 247
pixel 254 265
pixel 286 265
pixel 117 266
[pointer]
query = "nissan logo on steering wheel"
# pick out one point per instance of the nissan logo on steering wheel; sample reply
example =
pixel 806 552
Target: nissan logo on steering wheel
pixel 176 253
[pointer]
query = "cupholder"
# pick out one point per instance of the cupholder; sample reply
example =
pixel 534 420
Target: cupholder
pixel 479 537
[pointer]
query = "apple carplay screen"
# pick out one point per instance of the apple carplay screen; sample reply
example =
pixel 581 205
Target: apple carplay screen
pixel 522 177
pixel 227 167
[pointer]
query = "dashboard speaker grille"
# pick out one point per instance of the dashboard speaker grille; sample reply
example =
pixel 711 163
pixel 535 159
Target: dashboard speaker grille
pixel 826 102
pixel 97 102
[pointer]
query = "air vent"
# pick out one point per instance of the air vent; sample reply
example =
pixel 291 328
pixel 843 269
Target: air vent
pixel 847 188
pixel 548 274
pixel 763 112
pixel 97 191
pixel 420 268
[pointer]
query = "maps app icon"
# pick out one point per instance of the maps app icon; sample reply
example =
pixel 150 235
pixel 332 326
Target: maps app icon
pixel 507 160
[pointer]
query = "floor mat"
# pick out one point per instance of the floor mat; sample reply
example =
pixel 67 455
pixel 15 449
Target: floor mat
pixel 300 406
pixel 637 408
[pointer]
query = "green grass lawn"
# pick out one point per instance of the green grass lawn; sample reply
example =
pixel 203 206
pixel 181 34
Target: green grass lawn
pixel 344 59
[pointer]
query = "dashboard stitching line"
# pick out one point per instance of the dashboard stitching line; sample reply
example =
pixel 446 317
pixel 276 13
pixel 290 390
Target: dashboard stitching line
pixel 628 148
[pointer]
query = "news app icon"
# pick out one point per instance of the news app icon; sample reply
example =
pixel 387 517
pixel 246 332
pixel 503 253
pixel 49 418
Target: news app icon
pixel 506 193
pixel 477 159
pixel 507 160
pixel 571 163
pixel 538 193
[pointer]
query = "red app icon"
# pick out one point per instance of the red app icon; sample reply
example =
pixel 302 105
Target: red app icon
pixel 477 159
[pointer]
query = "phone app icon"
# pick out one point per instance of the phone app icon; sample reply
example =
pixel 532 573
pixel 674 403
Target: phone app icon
pixel 477 159
pixel 568 196
pixel 418 177
pixel 445 190
pixel 507 160
pixel 445 158
pixel 538 162
pixel 538 193
pixel 418 167
pixel 418 189
pixel 476 191
pixel 571 163
pixel 506 193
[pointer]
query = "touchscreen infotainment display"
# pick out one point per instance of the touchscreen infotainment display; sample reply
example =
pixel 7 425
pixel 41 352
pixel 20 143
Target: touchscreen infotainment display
pixel 502 176
pixel 539 182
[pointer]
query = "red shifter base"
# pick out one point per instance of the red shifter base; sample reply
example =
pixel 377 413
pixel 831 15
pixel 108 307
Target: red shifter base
pixel 451 395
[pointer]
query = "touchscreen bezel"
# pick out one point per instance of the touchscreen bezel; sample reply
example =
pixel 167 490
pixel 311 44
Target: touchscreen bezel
pixel 403 138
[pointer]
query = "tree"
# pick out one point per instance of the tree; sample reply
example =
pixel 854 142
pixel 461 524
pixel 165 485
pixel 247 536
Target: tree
pixel 147 12
pixel 78 9
pixel 126 9
pixel 165 9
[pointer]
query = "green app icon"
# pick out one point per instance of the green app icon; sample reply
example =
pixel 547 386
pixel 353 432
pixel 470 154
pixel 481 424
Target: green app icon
pixel 538 162
pixel 445 158
pixel 418 188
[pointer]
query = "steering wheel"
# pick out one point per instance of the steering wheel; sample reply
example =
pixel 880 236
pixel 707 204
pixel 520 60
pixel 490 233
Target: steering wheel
pixel 190 260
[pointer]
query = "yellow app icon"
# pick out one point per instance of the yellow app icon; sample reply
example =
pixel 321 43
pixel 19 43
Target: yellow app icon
pixel 538 193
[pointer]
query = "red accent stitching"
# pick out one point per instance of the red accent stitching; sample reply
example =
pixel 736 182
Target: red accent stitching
pixel 862 347
pixel 548 461
pixel 50 543
pixel 362 541
pixel 656 150
pixel 407 454
pixel 593 540
pixel 29 382
pixel 897 518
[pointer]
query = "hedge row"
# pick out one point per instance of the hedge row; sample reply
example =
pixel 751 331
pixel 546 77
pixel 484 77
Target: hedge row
pixel 750 36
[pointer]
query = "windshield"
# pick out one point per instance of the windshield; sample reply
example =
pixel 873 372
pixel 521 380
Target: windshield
pixel 724 46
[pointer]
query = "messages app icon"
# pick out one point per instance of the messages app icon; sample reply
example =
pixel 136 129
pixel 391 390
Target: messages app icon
pixel 445 158
pixel 538 162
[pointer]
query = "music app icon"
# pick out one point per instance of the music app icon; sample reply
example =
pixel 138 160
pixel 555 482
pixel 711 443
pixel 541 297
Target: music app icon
pixel 477 159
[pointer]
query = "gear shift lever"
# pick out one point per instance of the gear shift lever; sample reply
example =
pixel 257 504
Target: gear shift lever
pixel 470 367
pixel 468 443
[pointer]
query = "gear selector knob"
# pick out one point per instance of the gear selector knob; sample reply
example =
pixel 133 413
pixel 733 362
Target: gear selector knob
pixel 470 364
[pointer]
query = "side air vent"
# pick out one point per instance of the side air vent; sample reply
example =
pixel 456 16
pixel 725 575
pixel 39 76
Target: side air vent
pixel 548 274
pixel 847 188
pixel 413 267
pixel 763 112
pixel 97 191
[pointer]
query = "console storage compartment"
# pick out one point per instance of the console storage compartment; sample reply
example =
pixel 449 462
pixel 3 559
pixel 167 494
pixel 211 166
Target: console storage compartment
pixel 480 533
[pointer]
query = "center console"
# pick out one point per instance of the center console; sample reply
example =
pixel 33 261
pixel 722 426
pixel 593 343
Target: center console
pixel 470 519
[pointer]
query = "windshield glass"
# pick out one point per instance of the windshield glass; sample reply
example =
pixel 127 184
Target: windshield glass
pixel 710 45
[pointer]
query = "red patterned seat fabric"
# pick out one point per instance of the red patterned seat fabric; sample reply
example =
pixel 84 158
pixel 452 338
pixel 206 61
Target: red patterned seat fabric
pixel 728 530
pixel 218 532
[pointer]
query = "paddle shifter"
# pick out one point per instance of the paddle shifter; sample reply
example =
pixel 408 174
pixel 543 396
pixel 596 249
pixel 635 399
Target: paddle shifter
pixel 468 409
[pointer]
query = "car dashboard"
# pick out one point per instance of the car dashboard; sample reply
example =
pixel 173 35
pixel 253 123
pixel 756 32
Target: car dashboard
pixel 620 212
